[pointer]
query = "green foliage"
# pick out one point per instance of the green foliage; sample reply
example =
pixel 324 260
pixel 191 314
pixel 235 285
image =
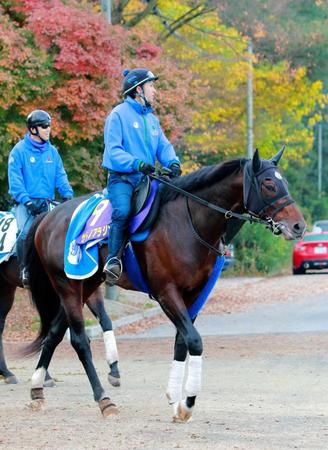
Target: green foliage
pixel 257 251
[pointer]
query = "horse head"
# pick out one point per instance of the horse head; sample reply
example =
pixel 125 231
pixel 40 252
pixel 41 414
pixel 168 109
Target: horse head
pixel 266 196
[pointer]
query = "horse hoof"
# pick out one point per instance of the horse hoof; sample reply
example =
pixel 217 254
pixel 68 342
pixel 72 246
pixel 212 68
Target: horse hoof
pixel 36 405
pixel 49 383
pixel 114 381
pixel 107 407
pixel 11 380
pixel 182 414
pixel 37 394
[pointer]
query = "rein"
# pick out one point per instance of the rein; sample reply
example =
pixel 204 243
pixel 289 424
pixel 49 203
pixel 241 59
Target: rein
pixel 228 214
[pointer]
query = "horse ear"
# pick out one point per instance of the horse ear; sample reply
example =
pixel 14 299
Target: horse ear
pixel 256 162
pixel 275 160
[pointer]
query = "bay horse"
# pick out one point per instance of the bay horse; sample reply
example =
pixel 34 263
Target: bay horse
pixel 176 261
pixel 9 281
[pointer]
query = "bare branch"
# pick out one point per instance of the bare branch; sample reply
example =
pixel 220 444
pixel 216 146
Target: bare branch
pixel 117 11
pixel 151 4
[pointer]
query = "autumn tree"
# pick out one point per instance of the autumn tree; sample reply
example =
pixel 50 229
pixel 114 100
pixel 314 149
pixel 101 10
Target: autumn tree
pixel 65 58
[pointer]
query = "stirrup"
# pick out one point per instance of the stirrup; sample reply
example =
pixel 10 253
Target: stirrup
pixel 113 269
pixel 25 278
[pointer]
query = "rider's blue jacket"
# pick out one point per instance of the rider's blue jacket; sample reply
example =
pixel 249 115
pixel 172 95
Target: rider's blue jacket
pixel 35 170
pixel 132 135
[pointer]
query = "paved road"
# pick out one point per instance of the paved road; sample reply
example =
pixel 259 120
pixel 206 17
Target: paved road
pixel 303 315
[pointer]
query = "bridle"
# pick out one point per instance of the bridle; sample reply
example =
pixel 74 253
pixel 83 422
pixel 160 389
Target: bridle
pixel 255 206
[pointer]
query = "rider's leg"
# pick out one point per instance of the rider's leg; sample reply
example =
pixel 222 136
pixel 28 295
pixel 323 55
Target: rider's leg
pixel 120 194
pixel 24 221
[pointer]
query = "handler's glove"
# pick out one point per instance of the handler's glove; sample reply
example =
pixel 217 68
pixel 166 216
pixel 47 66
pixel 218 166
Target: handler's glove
pixel 146 168
pixel 175 170
pixel 32 208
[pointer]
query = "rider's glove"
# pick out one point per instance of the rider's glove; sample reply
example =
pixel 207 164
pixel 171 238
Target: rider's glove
pixel 146 168
pixel 175 170
pixel 32 208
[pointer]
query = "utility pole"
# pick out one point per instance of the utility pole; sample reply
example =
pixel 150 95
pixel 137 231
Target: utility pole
pixel 106 8
pixel 111 292
pixel 250 134
pixel 319 159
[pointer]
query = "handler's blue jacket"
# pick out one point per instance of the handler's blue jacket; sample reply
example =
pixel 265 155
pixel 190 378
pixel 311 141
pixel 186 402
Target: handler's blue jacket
pixel 35 169
pixel 132 135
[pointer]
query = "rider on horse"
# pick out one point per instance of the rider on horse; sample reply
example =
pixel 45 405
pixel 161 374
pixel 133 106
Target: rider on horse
pixel 133 141
pixel 35 170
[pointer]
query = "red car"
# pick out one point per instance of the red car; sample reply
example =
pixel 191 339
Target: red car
pixel 311 253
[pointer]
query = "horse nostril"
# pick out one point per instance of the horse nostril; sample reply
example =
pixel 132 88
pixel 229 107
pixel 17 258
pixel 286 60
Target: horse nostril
pixel 298 227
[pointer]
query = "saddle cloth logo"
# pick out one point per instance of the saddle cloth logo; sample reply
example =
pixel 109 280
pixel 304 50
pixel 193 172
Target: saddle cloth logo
pixel 97 225
pixel 8 234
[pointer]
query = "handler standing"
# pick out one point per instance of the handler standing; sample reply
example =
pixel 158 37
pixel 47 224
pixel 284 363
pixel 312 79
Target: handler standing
pixel 133 142
pixel 35 170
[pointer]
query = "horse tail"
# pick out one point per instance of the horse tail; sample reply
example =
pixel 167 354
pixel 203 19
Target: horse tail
pixel 43 294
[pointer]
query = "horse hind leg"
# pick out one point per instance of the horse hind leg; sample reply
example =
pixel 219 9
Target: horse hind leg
pixel 81 345
pixel 41 377
pixel 6 302
pixel 96 306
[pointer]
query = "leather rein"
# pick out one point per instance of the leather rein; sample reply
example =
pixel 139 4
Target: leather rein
pixel 274 227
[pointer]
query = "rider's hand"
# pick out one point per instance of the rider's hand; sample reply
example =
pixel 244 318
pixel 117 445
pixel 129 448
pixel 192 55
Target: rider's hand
pixel 146 168
pixel 32 208
pixel 66 199
pixel 175 170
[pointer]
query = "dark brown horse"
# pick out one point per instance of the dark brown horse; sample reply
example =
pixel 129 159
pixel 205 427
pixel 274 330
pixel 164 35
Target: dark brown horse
pixel 10 280
pixel 176 261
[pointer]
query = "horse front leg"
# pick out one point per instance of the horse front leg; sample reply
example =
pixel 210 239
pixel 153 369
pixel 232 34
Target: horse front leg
pixel 187 340
pixel 81 344
pixel 6 303
pixel 96 305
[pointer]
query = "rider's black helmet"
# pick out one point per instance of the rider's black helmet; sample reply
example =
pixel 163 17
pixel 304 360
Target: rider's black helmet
pixel 136 77
pixel 37 118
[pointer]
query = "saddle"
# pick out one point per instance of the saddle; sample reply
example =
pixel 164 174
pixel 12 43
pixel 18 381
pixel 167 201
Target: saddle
pixel 140 197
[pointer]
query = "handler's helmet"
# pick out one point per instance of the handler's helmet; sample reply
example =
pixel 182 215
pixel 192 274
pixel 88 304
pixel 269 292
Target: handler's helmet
pixel 136 77
pixel 37 118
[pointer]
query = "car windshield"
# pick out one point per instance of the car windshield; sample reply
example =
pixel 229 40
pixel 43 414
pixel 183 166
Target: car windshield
pixel 323 225
pixel 315 237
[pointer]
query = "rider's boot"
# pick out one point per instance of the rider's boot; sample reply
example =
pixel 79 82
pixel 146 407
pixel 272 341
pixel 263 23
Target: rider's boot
pixel 113 266
pixel 24 275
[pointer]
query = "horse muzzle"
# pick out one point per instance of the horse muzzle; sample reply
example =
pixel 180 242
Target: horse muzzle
pixel 292 231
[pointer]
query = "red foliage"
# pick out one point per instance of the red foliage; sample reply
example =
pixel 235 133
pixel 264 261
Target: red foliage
pixel 86 56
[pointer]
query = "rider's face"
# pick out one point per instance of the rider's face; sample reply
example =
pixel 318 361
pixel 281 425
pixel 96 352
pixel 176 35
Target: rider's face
pixel 44 133
pixel 150 91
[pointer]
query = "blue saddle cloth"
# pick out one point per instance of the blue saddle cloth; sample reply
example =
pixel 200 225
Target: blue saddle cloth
pixel 90 225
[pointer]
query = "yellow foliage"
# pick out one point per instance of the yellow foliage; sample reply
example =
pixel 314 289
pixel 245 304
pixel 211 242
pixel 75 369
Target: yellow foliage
pixel 217 57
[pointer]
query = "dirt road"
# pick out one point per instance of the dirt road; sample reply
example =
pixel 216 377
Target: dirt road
pixel 264 392
pixel 259 392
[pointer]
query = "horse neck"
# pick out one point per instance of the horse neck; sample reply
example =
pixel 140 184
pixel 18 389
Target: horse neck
pixel 226 193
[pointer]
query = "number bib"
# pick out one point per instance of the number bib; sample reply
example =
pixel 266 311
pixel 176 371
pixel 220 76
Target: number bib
pixel 8 234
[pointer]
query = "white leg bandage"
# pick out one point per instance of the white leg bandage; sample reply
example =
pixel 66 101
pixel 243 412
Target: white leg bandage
pixel 110 347
pixel 38 378
pixel 174 387
pixel 194 380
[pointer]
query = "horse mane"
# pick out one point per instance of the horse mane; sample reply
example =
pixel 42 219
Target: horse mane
pixel 201 178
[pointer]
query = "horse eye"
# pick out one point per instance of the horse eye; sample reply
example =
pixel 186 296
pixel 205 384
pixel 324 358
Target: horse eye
pixel 269 185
